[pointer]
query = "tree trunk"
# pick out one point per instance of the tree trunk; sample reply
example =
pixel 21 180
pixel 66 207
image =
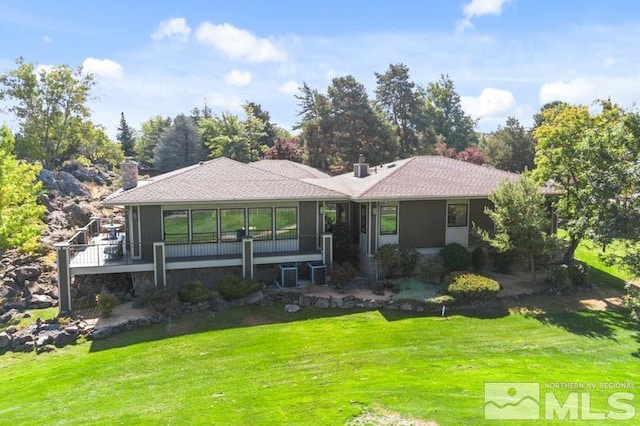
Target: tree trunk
pixel 532 265
pixel 568 255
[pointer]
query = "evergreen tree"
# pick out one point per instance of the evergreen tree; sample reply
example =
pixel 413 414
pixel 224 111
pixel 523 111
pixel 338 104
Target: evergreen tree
pixel 152 131
pixel 179 146
pixel 446 117
pixel 126 137
pixel 20 214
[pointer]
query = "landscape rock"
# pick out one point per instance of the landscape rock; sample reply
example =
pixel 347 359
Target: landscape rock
pixel 5 340
pixel 8 316
pixel 48 179
pixel 48 348
pixel 12 329
pixel 29 346
pixel 33 288
pixel 68 185
pixel 29 272
pixel 7 292
pixel 40 301
pixel 63 339
pixel 292 309
pixel 76 215
pixel 322 303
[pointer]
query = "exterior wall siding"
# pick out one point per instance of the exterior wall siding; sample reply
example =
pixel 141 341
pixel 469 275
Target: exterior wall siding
pixel 423 223
pixel 150 229
pixel 477 216
pixel 307 213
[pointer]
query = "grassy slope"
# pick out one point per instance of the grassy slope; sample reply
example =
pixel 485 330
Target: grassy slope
pixel 261 366
pixel 321 370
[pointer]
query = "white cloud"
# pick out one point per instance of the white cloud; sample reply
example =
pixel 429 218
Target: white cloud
pixel 584 90
pixel 225 102
pixel 492 103
pixel 239 44
pixel 41 67
pixel 479 8
pixel 103 68
pixel 608 62
pixel 290 87
pixel 238 78
pixel 47 40
pixel 174 28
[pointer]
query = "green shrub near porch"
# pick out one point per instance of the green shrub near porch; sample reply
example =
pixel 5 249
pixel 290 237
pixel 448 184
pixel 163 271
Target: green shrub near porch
pixel 232 287
pixel 472 286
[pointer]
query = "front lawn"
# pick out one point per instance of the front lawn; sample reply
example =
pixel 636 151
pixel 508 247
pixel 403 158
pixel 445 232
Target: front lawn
pixel 262 366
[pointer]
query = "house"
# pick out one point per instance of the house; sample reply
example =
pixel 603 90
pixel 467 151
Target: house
pixel 226 214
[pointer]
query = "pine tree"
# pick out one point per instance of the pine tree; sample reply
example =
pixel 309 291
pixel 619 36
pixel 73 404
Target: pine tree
pixel 126 137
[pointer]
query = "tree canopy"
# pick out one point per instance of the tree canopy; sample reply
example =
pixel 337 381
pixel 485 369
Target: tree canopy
pixel 20 214
pixel 50 105
pixel 521 221
pixel 179 146
pixel 126 137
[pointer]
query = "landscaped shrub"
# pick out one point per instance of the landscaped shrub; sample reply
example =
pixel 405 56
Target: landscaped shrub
pixel 397 261
pixel 193 292
pixel 578 273
pixel 159 298
pixel 477 259
pixel 472 286
pixel 106 302
pixel 341 274
pixel 455 257
pixel 232 287
pixel 432 269
pixel 503 261
pixel 557 276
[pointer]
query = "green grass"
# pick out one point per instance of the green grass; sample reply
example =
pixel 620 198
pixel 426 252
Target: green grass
pixel 262 366
pixel 600 272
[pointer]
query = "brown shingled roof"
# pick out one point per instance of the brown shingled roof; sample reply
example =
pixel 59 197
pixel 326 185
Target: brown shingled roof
pixel 221 179
pixel 290 169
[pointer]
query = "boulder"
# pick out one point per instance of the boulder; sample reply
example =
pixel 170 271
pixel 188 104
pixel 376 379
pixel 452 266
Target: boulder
pixel 48 179
pixel 8 316
pixel 5 340
pixel 76 215
pixel 46 201
pixel 292 309
pixel 70 186
pixel 29 272
pixel 34 288
pixel 63 339
pixel 48 348
pixel 322 302
pixel 39 301
pixel 29 346
pixel 7 292
pixel 12 329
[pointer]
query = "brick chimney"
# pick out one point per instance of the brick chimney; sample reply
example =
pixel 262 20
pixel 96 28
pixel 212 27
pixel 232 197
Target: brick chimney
pixel 361 169
pixel 129 171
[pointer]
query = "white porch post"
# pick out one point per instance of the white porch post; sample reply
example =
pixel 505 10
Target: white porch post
pixel 64 278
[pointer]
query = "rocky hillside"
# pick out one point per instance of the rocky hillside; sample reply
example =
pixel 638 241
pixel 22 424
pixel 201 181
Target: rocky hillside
pixel 72 195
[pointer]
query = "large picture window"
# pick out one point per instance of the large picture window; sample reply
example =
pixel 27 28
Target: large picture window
pixel 232 224
pixel 388 220
pixel 204 226
pixel 286 223
pixel 261 223
pixel 457 215
pixel 176 226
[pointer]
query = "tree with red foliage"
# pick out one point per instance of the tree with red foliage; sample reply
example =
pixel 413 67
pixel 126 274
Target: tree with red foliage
pixel 285 149
pixel 471 154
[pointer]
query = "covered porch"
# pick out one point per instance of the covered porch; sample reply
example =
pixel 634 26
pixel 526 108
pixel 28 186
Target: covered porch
pixel 93 249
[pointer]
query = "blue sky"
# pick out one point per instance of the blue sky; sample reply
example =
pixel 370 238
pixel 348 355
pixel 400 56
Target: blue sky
pixel 506 57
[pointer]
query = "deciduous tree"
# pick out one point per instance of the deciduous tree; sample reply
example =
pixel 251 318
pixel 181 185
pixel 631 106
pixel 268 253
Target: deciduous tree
pixel 521 221
pixel 20 214
pixel 50 105
pixel 152 130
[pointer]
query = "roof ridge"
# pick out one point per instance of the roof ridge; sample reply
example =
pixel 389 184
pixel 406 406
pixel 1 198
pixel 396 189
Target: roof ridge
pixel 292 178
pixel 391 173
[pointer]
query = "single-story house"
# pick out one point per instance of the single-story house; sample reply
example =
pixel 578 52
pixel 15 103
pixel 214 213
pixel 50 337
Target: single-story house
pixel 223 213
